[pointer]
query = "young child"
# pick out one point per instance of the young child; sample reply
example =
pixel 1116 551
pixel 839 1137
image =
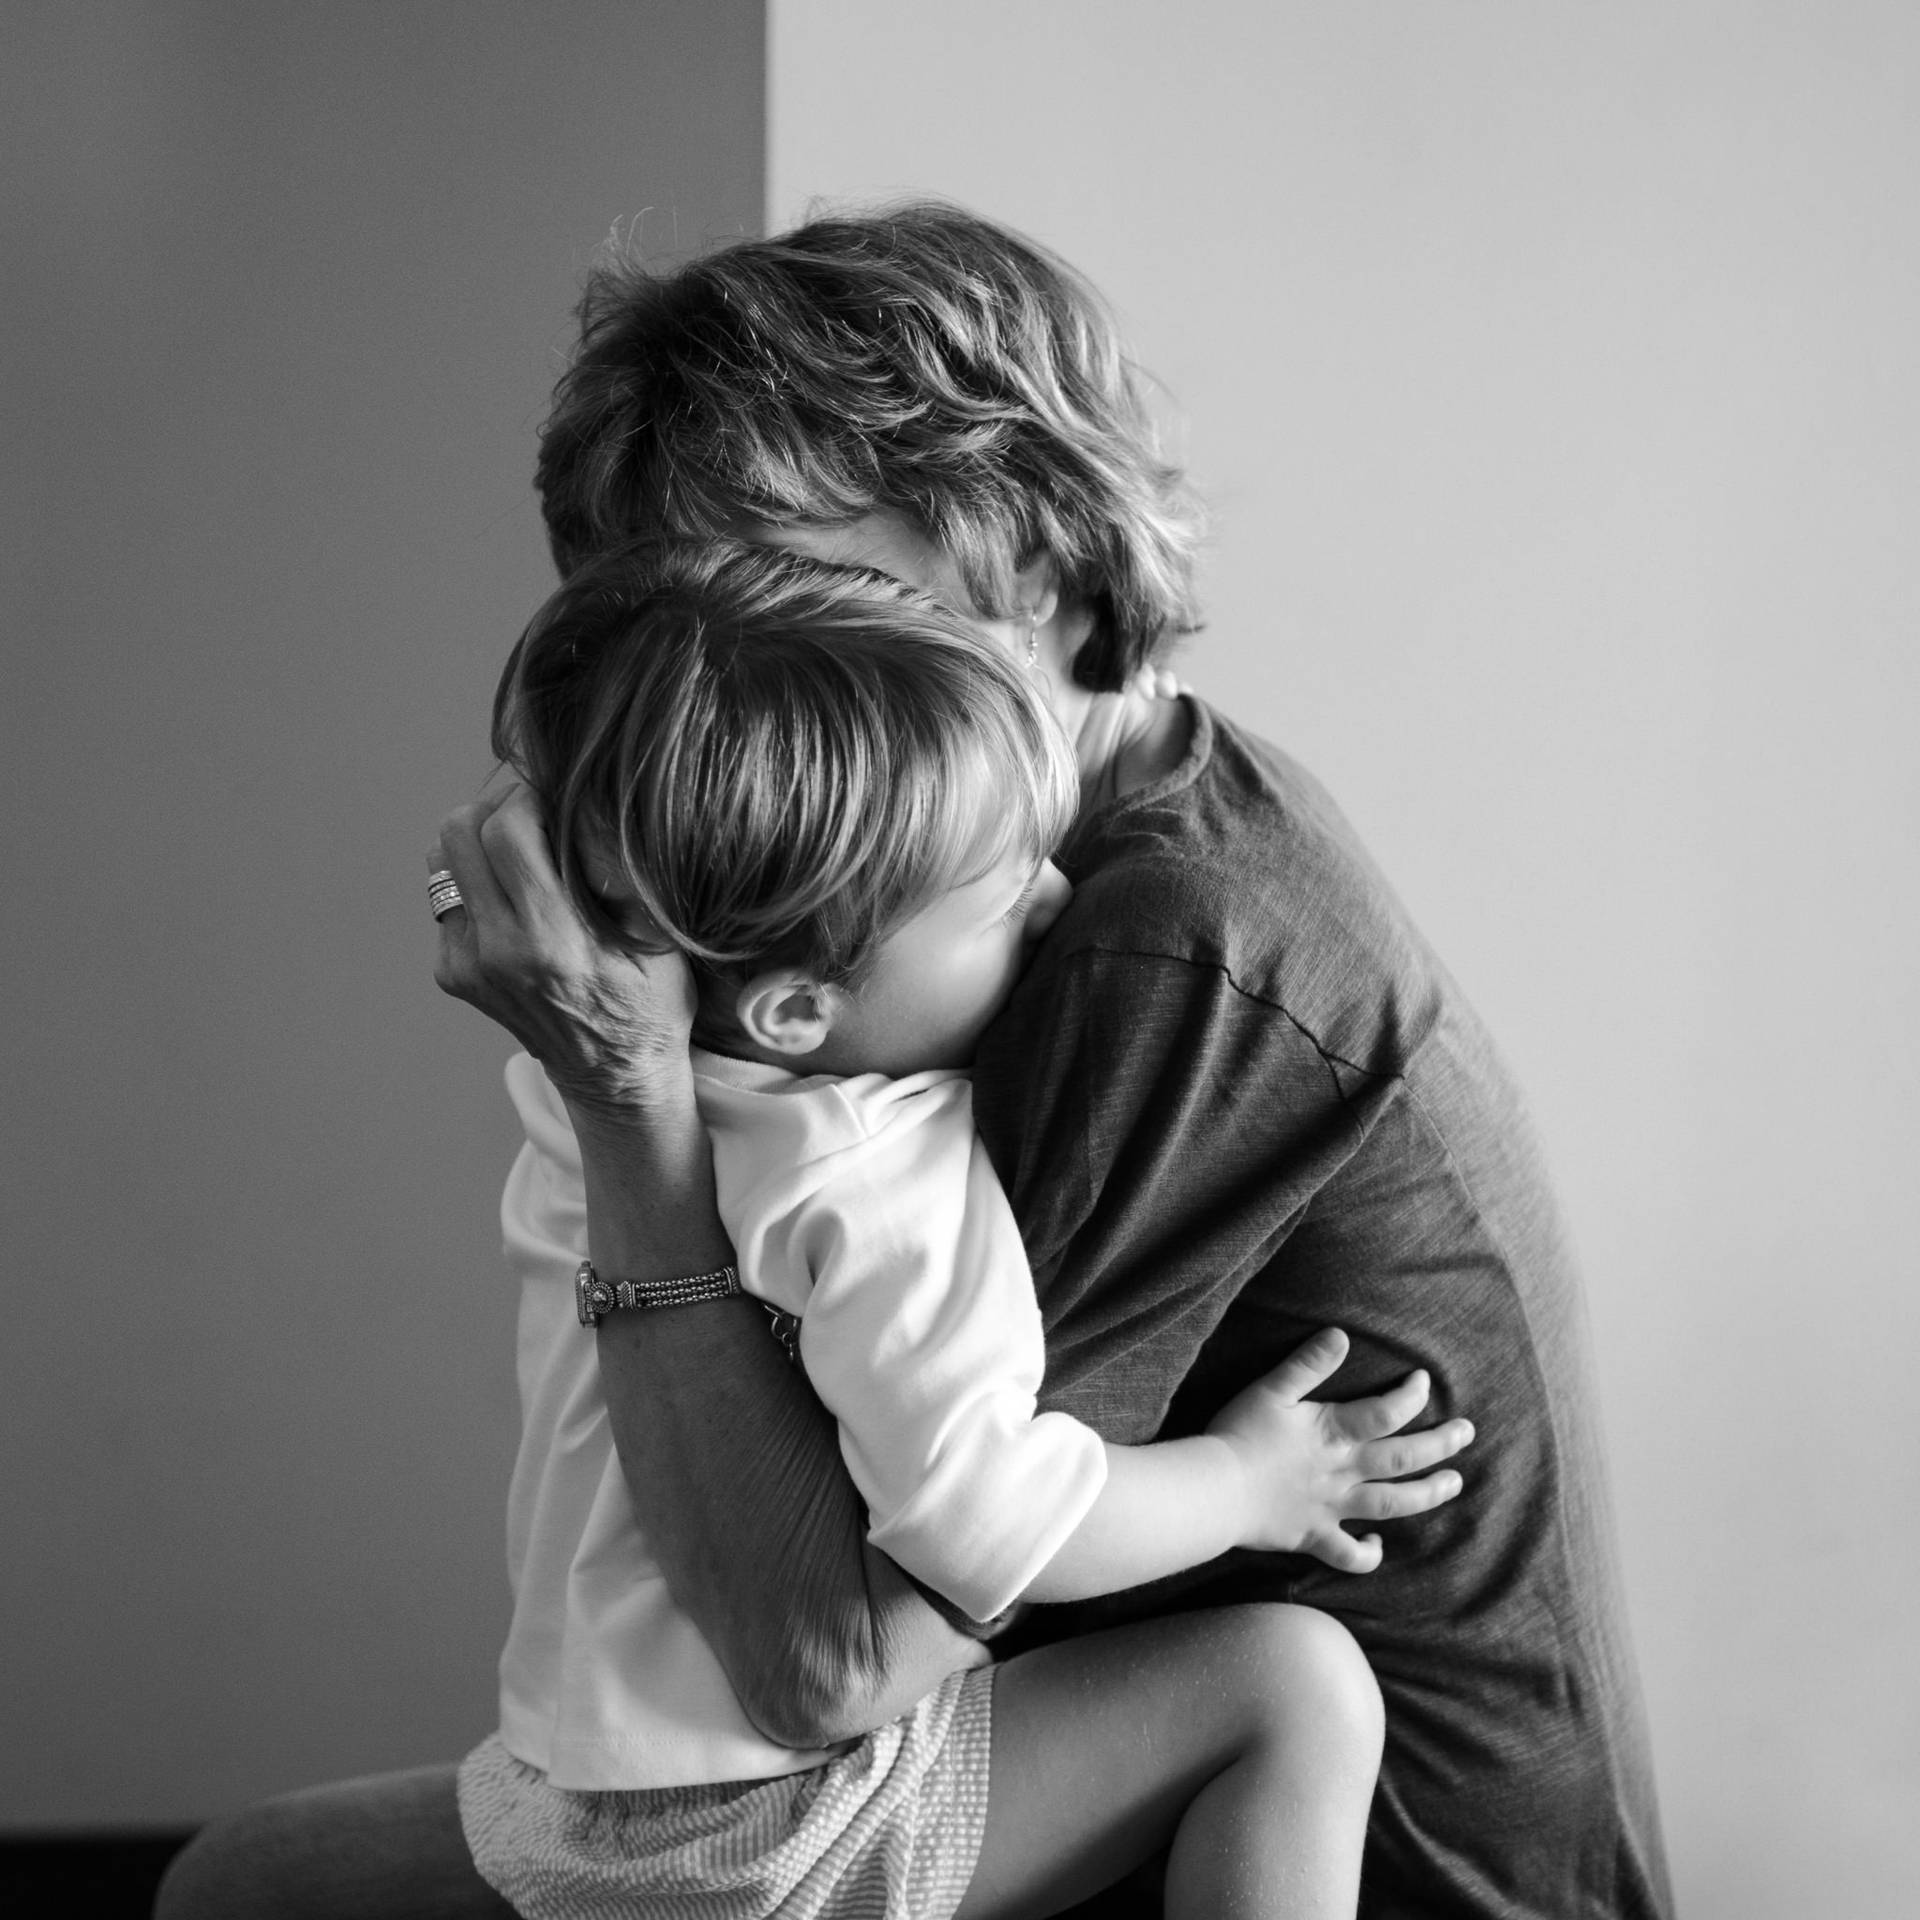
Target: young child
pixel 838 801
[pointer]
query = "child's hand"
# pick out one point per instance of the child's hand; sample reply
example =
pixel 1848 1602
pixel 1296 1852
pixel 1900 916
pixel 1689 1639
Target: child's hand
pixel 1311 1464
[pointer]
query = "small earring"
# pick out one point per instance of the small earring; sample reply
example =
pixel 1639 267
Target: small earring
pixel 1033 638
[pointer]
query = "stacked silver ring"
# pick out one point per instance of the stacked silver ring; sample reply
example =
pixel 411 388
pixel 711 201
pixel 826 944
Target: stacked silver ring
pixel 443 893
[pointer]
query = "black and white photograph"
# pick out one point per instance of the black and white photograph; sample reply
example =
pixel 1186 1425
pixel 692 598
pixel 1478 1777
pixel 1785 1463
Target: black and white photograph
pixel 960 960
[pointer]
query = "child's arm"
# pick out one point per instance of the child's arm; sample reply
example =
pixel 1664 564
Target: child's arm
pixel 920 1333
pixel 1274 1470
pixel 921 1336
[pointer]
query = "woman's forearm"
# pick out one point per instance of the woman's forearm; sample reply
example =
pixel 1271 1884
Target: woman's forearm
pixel 734 1468
pixel 734 1471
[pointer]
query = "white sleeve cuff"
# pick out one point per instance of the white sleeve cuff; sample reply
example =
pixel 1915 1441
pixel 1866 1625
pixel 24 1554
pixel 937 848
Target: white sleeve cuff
pixel 990 1516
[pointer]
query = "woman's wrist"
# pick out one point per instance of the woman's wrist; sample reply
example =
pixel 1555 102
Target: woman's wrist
pixel 636 1108
pixel 640 1089
pixel 651 1210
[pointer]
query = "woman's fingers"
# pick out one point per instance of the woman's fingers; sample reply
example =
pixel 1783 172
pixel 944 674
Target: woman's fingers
pixel 1316 1360
pixel 463 853
pixel 609 1022
pixel 514 835
pixel 1395 1499
pixel 437 869
pixel 1412 1452
pixel 453 963
pixel 483 916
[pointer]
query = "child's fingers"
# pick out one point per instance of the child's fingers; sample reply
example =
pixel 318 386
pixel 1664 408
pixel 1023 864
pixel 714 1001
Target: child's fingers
pixel 1313 1362
pixel 1406 1453
pixel 1345 1554
pixel 1395 1499
pixel 1384 1413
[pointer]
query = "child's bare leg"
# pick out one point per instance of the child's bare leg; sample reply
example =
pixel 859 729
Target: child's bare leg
pixel 1249 1736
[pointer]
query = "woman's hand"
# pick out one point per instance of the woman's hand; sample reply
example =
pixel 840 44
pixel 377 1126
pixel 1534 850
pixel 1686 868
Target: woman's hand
pixel 610 1023
pixel 1151 682
pixel 1314 1463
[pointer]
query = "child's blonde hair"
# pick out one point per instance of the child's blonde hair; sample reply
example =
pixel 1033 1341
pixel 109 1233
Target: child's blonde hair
pixel 786 759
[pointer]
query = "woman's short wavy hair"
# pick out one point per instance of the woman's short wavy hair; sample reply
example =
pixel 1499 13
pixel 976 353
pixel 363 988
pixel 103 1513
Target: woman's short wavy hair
pixel 915 359
pixel 787 759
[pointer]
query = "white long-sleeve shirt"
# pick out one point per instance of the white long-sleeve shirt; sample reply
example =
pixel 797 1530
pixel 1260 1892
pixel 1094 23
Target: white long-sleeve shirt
pixel 867 1207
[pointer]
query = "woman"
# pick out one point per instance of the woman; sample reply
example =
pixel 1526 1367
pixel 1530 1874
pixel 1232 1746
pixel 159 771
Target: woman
pixel 1234 1099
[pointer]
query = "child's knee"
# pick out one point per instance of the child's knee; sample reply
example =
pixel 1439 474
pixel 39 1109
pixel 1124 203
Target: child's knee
pixel 1312 1680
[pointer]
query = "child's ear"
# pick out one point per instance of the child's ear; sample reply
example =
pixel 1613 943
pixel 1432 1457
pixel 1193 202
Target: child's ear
pixel 786 1012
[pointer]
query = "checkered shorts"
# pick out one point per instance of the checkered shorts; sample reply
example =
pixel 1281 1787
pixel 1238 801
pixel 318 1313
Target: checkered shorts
pixel 888 1831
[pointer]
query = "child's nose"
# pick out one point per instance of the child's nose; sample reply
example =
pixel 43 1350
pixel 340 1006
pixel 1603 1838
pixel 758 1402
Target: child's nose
pixel 1051 892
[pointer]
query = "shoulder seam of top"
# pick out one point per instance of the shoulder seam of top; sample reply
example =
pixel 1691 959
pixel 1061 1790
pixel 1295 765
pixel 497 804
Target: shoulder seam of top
pixel 1319 1046
pixel 859 1117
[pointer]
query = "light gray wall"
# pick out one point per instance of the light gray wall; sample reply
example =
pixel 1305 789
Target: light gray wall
pixel 284 290
pixel 1552 370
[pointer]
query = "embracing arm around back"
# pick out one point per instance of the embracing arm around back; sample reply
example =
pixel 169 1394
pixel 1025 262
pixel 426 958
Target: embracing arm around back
pixel 735 1469
pixel 733 1466
pixel 1274 1471
pixel 887 1232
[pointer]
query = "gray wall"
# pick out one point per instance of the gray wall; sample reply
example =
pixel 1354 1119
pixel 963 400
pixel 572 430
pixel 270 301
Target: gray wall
pixel 1552 370
pixel 284 292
